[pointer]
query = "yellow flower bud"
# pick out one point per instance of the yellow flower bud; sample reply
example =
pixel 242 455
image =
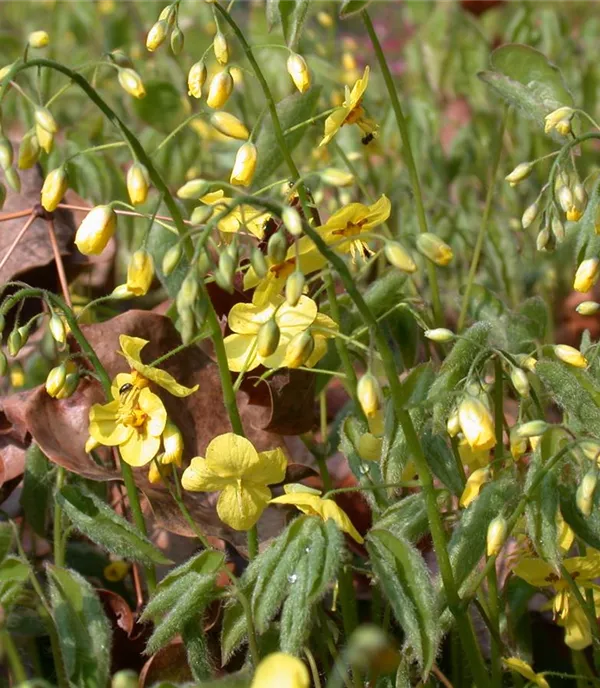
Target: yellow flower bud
pixel 44 118
pixel 229 125
pixel 558 229
pixel 196 79
pixel 520 381
pixel 54 188
pixel 193 190
pixel 38 39
pixel 156 35
pixel 398 257
pixel 69 387
pixel 96 230
pixel 280 670
pixel 531 212
pixel 335 177
pixel 570 355
pixel 294 287
pixel 245 165
pixel 476 423
pixel 201 214
pixel 325 19
pixel 45 138
pixel 565 198
pixel 167 14
pixel 277 248
pixel 543 241
pixel 453 424
pixel 220 89
pixel 439 334
pixel 518 446
pixel 56 380
pixel 140 273
pixel 171 258
pixel 125 678
pixel 137 183
pixel 57 329
pixel 533 428
pixel 268 338
pixel 132 83
pixel 299 349
pixel 369 394
pixel 298 70
pixel 585 493
pixel 432 247
pixel 587 275
pixel 172 443
pixel 221 49
pixel 555 117
pixel 177 41
pixel 14 342
pixel 227 266
pixel 292 221
pixel 6 153
pixel 521 172
pixel 29 151
pixel 258 263
pixel 475 482
pixel 563 126
pixel 188 293
pixel 115 572
pixel 496 535
pixel 588 308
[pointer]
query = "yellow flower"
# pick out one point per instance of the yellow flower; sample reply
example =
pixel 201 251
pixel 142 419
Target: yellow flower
pixel 477 424
pixel 140 273
pixel 96 230
pixel 172 440
pixel 131 348
pixel 298 70
pixel 279 670
pixel 38 39
pixel 555 117
pixel 310 502
pixel 244 165
pixel 351 112
pixel 246 319
pixel 242 217
pixel 475 482
pixel 131 82
pixel 432 247
pixel 566 608
pixel 234 468
pixel 134 420
pixel 473 458
pixel 116 570
pixel 521 667
pixel 344 228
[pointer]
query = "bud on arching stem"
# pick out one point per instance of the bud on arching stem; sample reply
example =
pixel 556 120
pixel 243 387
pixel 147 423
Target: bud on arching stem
pixel 196 79
pixel 57 329
pixel 137 183
pixel 521 172
pixel 258 263
pixel 299 349
pixel 496 535
pixel 14 342
pixel 221 48
pixel 520 381
pixel 229 125
pixel 570 355
pixel 170 259
pixel 433 248
pixel 220 89
pixel 56 379
pixel 398 257
pixel 268 338
pixel 277 248
pixel 298 70
pixel 244 165
pixel 294 286
pixel 369 394
pixel 292 221
pixel 54 188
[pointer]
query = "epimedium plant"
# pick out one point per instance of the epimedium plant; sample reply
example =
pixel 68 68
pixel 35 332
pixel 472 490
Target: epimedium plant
pixel 475 449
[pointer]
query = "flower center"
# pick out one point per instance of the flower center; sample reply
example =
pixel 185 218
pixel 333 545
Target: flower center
pixel 352 229
pixel 355 114
pixel 284 269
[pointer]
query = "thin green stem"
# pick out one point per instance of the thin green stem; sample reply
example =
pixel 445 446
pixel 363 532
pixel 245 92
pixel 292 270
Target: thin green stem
pixel 485 221
pixel 494 617
pixel 499 409
pixel 409 159
pixel 59 552
pixel 17 669
pixel 252 536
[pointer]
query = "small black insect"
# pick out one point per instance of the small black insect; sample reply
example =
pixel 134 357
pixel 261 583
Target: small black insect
pixel 366 140
pixel 125 388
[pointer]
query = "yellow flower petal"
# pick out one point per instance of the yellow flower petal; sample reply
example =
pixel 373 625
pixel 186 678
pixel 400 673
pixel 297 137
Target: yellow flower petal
pixel 473 487
pixel 333 124
pixel 270 468
pixel 153 407
pixel 246 318
pixel 241 508
pixel 140 448
pixel 295 319
pixel 199 477
pixel 280 670
pixel 231 456
pixel 521 667
pixel 578 634
pixel 104 425
pixel 241 352
pixel 535 571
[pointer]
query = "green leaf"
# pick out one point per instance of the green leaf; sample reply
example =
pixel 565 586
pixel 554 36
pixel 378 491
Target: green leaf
pixel 416 385
pixel 83 629
pixel 291 111
pixel 162 108
pixel 95 519
pixel 442 462
pixel 407 519
pixel 295 22
pixel 351 7
pixel 542 512
pixel 36 489
pixel 197 650
pixel 384 293
pixel 206 562
pixel 6 539
pixel 585 527
pixel 404 578
pixel 483 303
pixel 13 575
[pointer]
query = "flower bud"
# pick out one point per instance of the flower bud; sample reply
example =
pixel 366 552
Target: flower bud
pixel 140 273
pixel 258 263
pixel 229 125
pixel 398 257
pixel 277 248
pixel 57 328
pixel 453 424
pixel 268 338
pixel 14 342
pixel 563 126
pixel 193 190
pixel 520 381
pixel 177 41
pixel 530 214
pixel 298 70
pixel 588 308
pixel 44 118
pixel 71 382
pixel 156 35
pixel 45 139
pixel 565 198
pixel 167 14
pixel 245 165
pixel 6 153
pixel 221 49
pixel 496 535
pixel 369 395
pixel 544 240
pixel 585 493
pixel 196 79
pixel 38 39
pixel 132 83
pixel 204 264
pixel 96 230
pixel 54 188
pixel 171 258
pixel 294 286
pixel 56 379
pixel 335 177
pixel 558 229
pixel 518 446
pixel 220 89
pixel 226 271
pixel 433 248
pixel 121 59
pixel 570 355
pixel 587 275
pixel 173 444
pixel 534 428
pixel 201 214
pixel 292 221
pixel 3 364
pixel 299 349
pixel 29 151
pixel 188 293
pixel 476 423
pixel 126 678
pixel 137 183
pixel 551 120
pixel 521 172
pixel 440 335
pixel 281 670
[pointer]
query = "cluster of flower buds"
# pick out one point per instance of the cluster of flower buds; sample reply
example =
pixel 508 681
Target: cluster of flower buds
pixel 559 120
pixel 62 380
pixel 167 22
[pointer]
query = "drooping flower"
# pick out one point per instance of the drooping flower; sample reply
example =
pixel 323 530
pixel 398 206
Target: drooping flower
pixel 567 610
pixel 172 440
pixel 310 502
pixel 280 670
pixel 351 112
pixel 521 667
pixel 246 320
pixel 475 482
pixel 234 468
pixel 96 230
pixel 476 423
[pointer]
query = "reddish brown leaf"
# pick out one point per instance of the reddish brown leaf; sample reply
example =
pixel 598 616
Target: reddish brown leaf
pixel 168 664
pixel 117 610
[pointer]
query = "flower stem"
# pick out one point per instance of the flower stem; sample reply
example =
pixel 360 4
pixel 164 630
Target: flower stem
pixel 252 536
pixel 498 410
pixel 59 550
pixel 9 649
pixel 485 221
pixel 413 173
pixel 494 616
